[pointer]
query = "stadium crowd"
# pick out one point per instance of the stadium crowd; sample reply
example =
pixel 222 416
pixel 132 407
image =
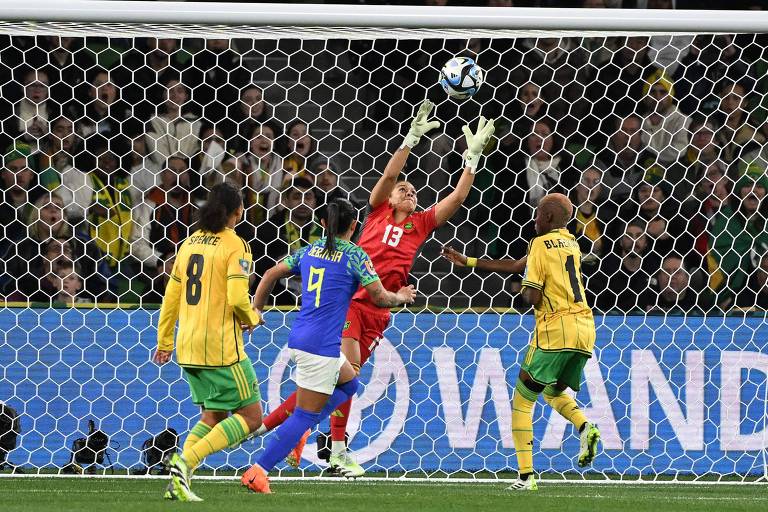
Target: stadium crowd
pixel 660 142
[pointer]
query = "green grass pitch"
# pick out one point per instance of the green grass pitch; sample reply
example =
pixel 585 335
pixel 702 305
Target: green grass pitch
pixel 117 495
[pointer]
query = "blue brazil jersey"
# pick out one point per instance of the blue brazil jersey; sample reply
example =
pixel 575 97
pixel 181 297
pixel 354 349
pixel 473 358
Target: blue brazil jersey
pixel 328 283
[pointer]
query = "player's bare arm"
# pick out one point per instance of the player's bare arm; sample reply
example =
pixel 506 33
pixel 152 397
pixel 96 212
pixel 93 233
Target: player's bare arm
pixel 476 143
pixel 386 299
pixel 271 277
pixel 531 295
pixel 504 266
pixel 419 126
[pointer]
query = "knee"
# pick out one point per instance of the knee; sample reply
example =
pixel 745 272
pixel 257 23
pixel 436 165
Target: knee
pixel 529 383
pixel 350 387
pixel 551 392
pixel 252 418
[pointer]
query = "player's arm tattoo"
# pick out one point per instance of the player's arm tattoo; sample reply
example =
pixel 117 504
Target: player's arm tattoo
pixel 381 296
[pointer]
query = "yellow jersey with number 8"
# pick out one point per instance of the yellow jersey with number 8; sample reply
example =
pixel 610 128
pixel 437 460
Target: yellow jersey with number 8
pixel 208 294
pixel 564 320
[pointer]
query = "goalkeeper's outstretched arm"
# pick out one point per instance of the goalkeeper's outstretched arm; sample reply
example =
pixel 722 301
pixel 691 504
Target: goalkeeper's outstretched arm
pixel 476 143
pixel 419 126
pixel 504 266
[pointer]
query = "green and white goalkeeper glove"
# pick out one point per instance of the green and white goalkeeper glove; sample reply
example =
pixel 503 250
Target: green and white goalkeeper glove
pixel 420 125
pixel 476 142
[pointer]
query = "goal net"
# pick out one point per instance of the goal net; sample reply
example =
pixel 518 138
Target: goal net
pixel 112 132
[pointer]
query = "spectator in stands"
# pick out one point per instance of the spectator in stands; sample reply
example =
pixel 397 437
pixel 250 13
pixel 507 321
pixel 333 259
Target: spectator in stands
pixel 142 72
pixel 326 180
pixel 711 192
pixel 114 227
pixel 46 219
pixel 286 231
pixel 45 222
pixel 666 219
pixel 528 108
pixel 621 281
pixel 618 86
pixel 216 73
pixel 711 58
pixel 674 295
pixel 213 150
pixel 160 280
pixel 560 66
pixel 592 216
pixel 539 165
pixel 29 119
pixel 756 293
pixel 67 286
pixel 735 135
pixel 69 61
pixel 625 159
pixel 175 130
pixel 263 167
pixel 664 127
pixel 532 172
pixel 105 114
pixel 737 229
pixel 144 171
pixel 245 114
pixel 700 154
pixel 20 188
pixel 71 249
pixel 298 146
pixel 173 212
pixel 61 146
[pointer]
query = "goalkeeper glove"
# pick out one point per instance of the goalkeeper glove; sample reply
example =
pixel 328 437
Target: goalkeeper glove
pixel 476 142
pixel 420 125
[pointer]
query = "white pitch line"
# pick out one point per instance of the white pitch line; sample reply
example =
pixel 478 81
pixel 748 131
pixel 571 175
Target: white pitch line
pixel 402 481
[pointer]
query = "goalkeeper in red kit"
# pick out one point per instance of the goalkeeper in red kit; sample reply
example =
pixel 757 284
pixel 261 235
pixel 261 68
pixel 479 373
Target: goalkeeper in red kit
pixel 392 235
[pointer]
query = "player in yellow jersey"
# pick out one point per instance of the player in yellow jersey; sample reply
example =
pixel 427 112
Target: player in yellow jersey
pixel 208 294
pixel 565 331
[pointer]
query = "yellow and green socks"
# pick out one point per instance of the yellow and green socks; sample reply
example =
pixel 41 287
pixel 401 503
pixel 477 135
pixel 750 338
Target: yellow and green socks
pixel 226 433
pixel 522 426
pixel 566 406
pixel 199 431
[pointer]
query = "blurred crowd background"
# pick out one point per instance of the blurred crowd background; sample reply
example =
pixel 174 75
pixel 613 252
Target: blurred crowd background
pixel 109 147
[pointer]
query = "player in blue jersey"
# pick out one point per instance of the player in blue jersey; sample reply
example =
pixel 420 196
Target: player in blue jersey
pixel 331 271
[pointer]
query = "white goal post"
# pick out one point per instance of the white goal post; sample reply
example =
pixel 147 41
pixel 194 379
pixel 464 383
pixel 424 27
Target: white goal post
pixel 654 122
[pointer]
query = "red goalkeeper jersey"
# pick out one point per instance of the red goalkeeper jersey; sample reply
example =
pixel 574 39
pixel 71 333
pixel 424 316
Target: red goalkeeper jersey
pixel 392 246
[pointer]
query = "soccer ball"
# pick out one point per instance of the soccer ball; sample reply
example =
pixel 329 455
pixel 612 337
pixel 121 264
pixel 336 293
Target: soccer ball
pixel 461 77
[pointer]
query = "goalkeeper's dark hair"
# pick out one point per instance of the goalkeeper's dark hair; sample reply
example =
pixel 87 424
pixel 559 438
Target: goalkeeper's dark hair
pixel 223 201
pixel 339 216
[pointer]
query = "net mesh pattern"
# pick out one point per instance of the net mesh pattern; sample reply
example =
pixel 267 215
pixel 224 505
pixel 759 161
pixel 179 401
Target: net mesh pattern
pixel 111 139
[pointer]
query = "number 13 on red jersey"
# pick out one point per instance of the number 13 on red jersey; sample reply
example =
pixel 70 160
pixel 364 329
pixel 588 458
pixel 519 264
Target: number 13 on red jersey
pixel 392 235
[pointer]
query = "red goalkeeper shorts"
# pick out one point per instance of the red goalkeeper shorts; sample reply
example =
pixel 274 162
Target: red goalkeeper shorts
pixel 365 323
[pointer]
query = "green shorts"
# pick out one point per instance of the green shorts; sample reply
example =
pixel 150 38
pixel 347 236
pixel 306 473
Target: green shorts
pixel 228 388
pixel 562 366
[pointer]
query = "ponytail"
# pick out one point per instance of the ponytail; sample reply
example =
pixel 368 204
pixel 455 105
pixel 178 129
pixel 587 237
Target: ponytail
pixel 339 216
pixel 223 201
pixel 332 227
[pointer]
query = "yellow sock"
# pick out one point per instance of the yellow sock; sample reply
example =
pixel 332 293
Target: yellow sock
pixel 565 405
pixel 522 426
pixel 225 434
pixel 199 431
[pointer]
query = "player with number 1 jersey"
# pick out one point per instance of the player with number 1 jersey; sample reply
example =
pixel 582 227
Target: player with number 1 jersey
pixel 392 235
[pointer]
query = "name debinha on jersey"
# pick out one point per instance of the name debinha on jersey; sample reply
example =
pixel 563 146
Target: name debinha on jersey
pixel 560 243
pixel 205 239
pixel 320 252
